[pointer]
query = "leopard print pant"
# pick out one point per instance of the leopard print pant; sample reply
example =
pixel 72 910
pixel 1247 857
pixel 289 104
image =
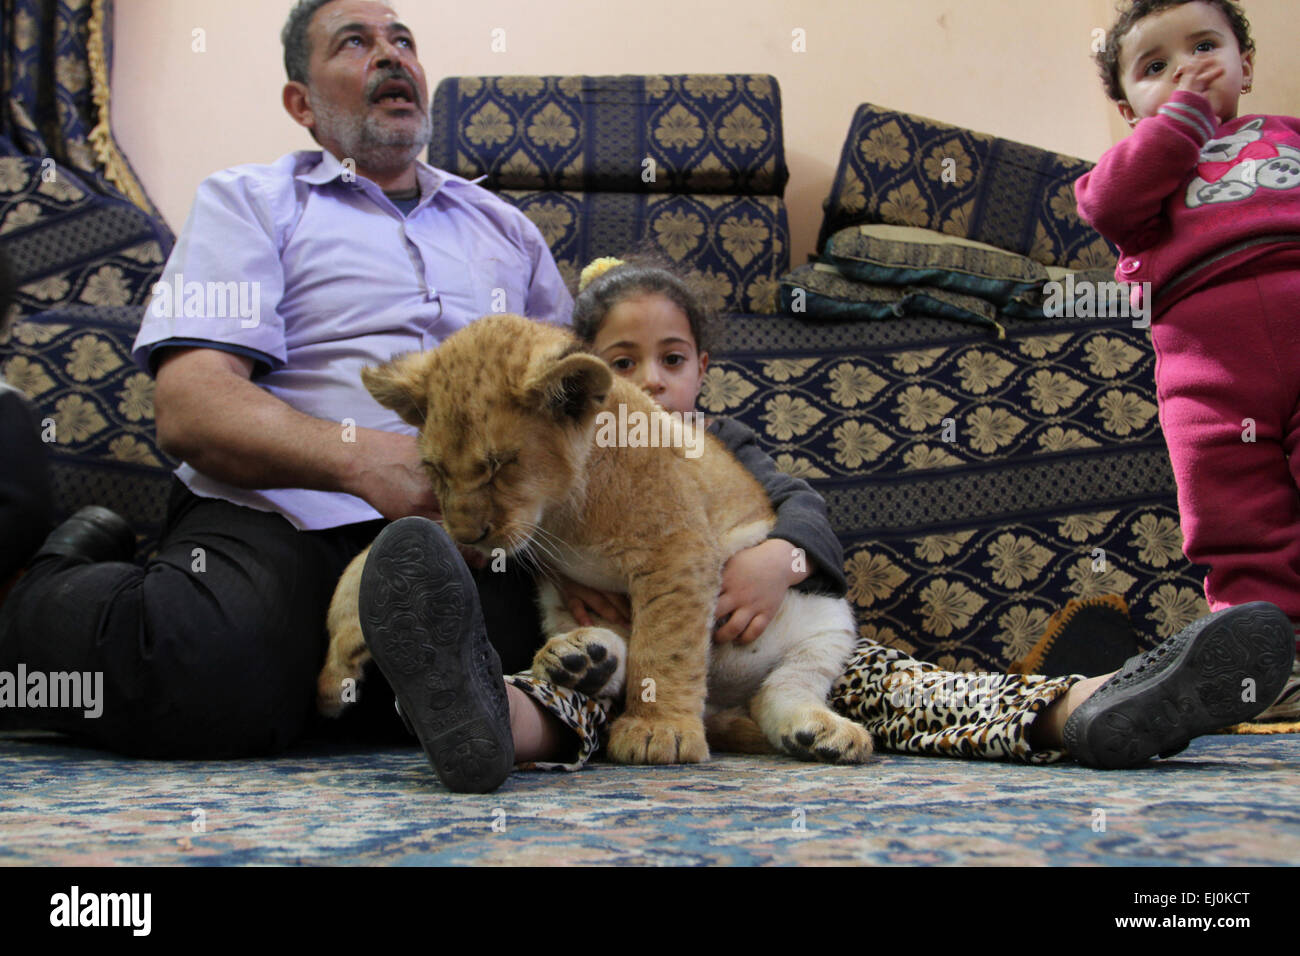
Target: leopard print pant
pixel 909 707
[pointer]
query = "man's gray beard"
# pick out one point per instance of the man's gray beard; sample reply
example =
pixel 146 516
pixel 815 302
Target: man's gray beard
pixel 368 143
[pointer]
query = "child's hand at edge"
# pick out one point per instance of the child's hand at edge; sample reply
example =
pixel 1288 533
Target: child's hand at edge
pixel 583 602
pixel 754 582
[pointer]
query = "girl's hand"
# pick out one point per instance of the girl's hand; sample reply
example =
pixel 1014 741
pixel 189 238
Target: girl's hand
pixel 754 582
pixel 583 602
pixel 1200 75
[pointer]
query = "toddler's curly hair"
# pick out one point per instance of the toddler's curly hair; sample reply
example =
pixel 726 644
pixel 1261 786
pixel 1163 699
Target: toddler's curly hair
pixel 1107 58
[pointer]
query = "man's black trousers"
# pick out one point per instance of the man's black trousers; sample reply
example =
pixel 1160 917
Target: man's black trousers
pixel 212 648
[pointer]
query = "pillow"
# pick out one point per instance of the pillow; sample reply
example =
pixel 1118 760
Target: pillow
pixel 821 291
pixel 905 255
pixel 913 171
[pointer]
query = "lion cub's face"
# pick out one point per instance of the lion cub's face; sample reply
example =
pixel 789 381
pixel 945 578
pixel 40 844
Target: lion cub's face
pixel 505 410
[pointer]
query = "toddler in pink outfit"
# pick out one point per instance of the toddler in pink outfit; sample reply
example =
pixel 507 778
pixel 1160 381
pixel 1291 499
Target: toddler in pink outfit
pixel 1205 206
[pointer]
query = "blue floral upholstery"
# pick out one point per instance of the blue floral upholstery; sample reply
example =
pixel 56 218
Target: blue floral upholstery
pixel 732 247
pixel 977 484
pixel 84 265
pixel 69 245
pixel 75 365
pixel 692 165
pixel 911 171
pixel 704 133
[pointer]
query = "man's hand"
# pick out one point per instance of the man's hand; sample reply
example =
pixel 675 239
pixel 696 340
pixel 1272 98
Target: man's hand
pixel 211 415
pixel 754 582
pixel 390 477
pixel 583 601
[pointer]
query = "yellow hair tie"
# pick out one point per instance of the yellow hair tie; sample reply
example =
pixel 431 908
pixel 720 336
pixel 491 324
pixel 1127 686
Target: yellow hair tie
pixel 596 269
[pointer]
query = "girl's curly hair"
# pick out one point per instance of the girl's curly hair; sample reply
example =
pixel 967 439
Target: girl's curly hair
pixel 1107 58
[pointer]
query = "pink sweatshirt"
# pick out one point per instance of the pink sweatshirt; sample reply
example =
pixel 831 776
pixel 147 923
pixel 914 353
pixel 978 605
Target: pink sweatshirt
pixel 1186 198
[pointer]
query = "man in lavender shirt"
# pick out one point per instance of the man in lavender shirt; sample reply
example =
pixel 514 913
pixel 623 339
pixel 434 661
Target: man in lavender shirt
pixel 287 279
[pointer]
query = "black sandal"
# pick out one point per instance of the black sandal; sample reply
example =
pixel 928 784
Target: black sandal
pixel 1220 670
pixel 422 622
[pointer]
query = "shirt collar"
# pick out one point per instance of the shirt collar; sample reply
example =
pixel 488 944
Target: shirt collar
pixel 329 168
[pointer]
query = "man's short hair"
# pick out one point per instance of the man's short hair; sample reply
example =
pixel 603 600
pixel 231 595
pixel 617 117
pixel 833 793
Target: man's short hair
pixel 297 45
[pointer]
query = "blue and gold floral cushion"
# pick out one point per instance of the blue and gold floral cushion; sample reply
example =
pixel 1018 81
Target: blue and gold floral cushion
pixel 732 247
pixel 911 171
pixel 692 133
pixel 977 484
pixel 96 411
pixel 69 245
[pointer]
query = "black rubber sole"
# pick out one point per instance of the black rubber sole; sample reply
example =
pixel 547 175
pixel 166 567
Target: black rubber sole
pixel 1225 668
pixel 422 622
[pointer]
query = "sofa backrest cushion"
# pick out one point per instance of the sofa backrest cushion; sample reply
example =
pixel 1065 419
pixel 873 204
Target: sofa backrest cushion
pixel 911 171
pixel 733 248
pixel 690 166
pixel 687 133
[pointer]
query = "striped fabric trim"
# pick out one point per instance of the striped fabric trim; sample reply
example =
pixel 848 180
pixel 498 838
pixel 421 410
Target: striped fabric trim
pixel 1189 116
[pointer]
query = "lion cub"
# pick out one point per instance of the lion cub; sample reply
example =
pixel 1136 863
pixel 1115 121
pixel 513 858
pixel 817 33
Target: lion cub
pixel 508 411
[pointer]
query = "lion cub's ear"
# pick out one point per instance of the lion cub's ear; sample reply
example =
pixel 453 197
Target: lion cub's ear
pixel 401 385
pixel 571 385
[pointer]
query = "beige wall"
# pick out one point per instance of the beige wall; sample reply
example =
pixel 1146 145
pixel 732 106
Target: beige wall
pixel 1014 68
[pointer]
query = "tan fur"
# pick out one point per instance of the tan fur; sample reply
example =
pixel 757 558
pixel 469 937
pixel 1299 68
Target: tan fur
pixel 507 410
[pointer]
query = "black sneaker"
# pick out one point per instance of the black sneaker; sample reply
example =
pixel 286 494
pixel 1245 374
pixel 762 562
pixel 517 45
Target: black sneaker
pixel 1190 685
pixel 422 622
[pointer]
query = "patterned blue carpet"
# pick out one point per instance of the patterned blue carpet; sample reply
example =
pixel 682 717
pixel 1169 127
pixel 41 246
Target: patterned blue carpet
pixel 1226 800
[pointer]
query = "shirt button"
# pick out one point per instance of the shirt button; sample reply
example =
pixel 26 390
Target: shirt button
pixel 1130 266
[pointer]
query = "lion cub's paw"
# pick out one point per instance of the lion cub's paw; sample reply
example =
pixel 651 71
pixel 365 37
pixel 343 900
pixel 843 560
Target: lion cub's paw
pixel 645 741
pixel 338 684
pixel 819 734
pixel 588 659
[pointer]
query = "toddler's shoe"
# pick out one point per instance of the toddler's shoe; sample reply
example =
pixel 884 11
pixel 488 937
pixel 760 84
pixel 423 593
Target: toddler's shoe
pixel 422 622
pixel 1222 669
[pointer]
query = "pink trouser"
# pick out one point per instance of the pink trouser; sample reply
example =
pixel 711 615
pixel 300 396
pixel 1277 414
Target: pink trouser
pixel 1227 364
